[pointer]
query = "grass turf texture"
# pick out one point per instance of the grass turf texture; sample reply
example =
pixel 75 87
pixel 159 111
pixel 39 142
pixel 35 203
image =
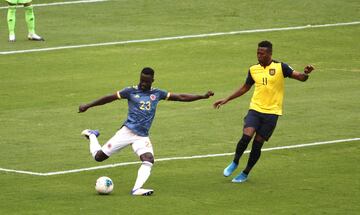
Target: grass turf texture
pixel 40 93
pixel 303 181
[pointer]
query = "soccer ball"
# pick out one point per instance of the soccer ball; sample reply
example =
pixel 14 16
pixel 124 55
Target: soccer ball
pixel 104 185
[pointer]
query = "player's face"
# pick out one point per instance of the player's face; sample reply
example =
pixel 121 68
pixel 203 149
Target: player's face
pixel 145 82
pixel 263 56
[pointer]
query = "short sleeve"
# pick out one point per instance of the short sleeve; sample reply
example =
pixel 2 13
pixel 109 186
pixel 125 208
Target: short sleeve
pixel 249 80
pixel 163 94
pixel 124 93
pixel 287 70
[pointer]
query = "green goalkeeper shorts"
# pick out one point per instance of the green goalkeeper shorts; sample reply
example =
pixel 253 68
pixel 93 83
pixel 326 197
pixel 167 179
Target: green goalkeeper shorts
pixel 19 1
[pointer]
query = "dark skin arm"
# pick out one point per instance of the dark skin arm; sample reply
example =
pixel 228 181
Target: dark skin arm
pixel 173 97
pixel 237 93
pixel 189 97
pixel 302 76
pixel 100 101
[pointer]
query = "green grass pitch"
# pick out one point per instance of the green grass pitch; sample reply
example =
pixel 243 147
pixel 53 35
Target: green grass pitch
pixel 40 93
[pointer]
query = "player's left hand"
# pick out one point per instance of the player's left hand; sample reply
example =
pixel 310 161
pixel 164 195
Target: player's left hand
pixel 308 69
pixel 208 94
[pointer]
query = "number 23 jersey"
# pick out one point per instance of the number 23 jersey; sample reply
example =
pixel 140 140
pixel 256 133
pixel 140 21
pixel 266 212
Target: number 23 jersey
pixel 141 107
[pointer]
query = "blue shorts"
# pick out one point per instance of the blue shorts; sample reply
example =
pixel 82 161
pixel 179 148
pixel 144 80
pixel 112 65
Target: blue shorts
pixel 263 123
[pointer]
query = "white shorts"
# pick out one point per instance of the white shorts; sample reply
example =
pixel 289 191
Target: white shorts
pixel 125 137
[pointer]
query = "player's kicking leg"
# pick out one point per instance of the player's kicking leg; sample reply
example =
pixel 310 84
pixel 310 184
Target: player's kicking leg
pixel 95 148
pixel 124 137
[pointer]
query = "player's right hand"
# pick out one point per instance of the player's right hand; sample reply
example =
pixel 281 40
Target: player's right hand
pixel 218 103
pixel 82 108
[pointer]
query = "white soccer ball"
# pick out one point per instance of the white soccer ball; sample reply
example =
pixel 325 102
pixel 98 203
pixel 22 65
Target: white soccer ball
pixel 104 185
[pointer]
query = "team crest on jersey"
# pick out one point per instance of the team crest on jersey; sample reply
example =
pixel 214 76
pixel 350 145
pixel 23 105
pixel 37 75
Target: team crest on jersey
pixel 137 96
pixel 152 97
pixel 272 72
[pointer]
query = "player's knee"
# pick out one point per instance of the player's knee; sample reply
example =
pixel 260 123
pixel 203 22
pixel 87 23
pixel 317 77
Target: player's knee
pixel 147 157
pixel 100 156
pixel 259 138
pixel 249 131
pixel 150 159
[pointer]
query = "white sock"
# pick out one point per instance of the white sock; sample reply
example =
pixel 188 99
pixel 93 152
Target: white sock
pixel 143 174
pixel 94 145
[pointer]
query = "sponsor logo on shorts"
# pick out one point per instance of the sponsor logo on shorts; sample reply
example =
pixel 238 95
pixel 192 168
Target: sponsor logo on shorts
pixel 109 146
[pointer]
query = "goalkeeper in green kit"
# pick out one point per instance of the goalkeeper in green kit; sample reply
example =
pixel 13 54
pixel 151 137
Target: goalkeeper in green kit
pixel 29 18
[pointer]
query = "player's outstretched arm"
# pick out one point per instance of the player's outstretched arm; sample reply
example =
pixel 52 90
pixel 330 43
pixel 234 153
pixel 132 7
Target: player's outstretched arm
pixel 189 97
pixel 101 101
pixel 302 76
pixel 239 92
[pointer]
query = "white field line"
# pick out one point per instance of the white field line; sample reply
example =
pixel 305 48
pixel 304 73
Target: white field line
pixel 175 158
pixel 180 37
pixel 61 3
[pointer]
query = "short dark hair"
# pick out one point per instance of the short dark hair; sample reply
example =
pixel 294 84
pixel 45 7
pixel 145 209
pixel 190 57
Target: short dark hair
pixel 265 44
pixel 148 71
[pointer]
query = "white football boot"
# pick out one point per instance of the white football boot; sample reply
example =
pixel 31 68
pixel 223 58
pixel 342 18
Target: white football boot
pixel 12 38
pixel 142 192
pixel 35 37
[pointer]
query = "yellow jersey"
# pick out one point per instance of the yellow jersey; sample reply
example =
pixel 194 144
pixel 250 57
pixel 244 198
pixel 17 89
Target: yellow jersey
pixel 269 86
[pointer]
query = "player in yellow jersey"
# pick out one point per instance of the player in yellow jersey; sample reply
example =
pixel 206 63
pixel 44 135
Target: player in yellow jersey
pixel 265 106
